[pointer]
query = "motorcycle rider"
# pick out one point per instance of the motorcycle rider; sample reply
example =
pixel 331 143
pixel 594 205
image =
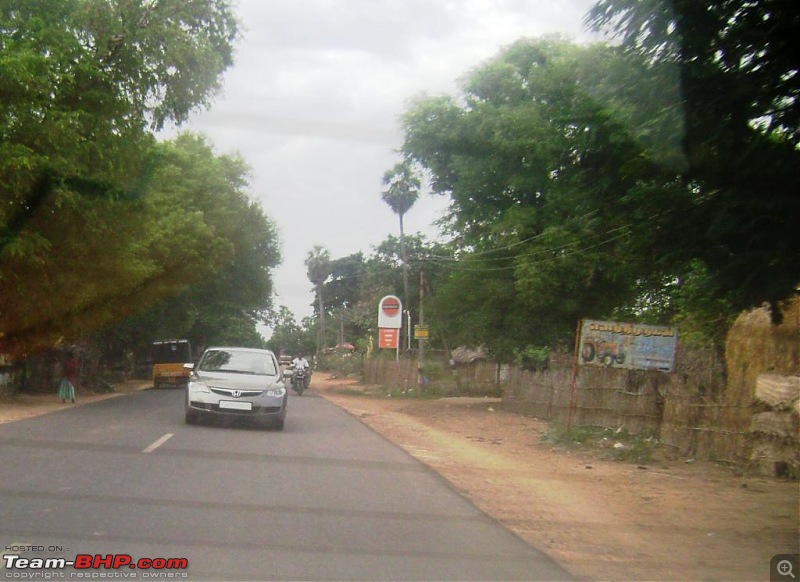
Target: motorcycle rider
pixel 300 363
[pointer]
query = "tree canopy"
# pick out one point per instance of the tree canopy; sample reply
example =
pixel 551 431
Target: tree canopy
pixel 191 257
pixel 98 221
pixel 739 76
pixel 578 191
pixel 651 179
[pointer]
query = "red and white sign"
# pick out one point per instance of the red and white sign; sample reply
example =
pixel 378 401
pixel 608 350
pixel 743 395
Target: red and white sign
pixel 388 337
pixel 390 313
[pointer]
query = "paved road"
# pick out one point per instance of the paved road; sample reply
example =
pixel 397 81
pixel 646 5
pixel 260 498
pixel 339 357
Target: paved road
pixel 326 499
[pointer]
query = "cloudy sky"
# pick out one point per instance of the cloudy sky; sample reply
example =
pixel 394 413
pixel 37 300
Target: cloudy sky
pixel 313 104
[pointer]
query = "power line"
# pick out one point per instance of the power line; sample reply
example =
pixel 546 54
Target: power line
pixel 460 264
pixel 456 264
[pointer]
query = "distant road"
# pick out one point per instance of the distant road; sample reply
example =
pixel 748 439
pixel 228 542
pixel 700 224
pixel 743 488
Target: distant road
pixel 326 499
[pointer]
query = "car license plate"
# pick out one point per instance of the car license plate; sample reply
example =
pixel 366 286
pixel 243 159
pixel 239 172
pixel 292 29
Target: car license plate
pixel 234 405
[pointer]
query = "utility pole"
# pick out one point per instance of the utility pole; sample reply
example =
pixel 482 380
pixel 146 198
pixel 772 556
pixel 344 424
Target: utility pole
pixel 406 297
pixel 421 365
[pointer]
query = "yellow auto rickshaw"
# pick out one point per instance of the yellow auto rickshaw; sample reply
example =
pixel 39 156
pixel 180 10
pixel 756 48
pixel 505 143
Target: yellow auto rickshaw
pixel 169 357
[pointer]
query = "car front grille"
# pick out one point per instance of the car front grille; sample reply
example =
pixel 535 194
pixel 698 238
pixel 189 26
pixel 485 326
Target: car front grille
pixel 240 393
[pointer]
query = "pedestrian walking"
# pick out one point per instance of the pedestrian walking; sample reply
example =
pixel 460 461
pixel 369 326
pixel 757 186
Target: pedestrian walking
pixel 66 390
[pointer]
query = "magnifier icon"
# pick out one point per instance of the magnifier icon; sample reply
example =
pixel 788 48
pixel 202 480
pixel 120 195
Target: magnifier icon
pixel 784 568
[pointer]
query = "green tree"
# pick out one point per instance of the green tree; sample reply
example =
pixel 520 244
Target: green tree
pixel 288 335
pixel 81 79
pixel 211 296
pixel 401 194
pixel 81 243
pixel 384 275
pixel 86 263
pixel 343 285
pixel 737 68
pixel 574 183
pixel 536 162
pixel 318 268
pixel 353 285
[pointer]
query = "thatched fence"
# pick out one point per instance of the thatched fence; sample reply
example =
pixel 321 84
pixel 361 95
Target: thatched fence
pixel 622 399
pixel 744 411
pixel 439 377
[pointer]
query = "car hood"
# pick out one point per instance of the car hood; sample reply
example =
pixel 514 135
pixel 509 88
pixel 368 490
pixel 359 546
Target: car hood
pixel 245 381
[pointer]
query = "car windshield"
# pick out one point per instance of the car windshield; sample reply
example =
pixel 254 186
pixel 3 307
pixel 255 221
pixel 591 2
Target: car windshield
pixel 238 362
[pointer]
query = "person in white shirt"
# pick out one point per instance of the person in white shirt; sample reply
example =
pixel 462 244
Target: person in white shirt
pixel 300 363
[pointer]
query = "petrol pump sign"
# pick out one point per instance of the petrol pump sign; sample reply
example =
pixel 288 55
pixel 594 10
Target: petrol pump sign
pixel 390 320
pixel 390 312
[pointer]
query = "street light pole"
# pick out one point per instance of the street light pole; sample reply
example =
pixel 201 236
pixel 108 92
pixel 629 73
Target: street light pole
pixel 408 329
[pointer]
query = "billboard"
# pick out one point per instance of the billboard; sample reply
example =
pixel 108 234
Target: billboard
pixel 627 345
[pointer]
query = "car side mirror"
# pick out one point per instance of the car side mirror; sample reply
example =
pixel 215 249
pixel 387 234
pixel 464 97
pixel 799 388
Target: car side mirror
pixel 189 367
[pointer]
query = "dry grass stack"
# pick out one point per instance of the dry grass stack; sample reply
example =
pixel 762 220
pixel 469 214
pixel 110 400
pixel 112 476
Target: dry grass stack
pixel 764 379
pixel 775 427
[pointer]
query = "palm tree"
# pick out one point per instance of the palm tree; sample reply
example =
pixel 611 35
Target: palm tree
pixel 318 268
pixel 401 194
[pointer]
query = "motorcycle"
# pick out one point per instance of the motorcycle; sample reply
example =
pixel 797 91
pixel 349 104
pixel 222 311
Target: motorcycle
pixel 300 380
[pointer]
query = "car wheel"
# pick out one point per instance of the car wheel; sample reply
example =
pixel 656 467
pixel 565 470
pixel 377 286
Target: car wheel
pixel 191 417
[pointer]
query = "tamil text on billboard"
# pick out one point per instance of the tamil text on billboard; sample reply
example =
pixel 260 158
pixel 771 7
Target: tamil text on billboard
pixel 627 345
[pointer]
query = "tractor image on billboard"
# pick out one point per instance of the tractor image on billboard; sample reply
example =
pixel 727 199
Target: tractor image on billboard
pixel 605 352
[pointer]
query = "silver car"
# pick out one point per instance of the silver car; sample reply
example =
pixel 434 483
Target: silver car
pixel 241 383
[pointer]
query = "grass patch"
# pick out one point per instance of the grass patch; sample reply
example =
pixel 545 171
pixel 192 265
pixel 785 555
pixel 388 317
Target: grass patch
pixel 603 442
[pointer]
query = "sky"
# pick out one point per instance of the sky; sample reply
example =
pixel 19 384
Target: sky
pixel 313 105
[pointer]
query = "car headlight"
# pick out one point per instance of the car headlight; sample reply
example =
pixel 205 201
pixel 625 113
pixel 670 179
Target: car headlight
pixel 197 386
pixel 277 392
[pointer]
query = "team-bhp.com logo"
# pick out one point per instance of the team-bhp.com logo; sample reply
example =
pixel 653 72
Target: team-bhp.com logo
pixel 88 563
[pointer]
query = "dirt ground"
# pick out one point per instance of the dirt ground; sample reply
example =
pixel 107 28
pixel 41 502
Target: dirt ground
pixel 601 519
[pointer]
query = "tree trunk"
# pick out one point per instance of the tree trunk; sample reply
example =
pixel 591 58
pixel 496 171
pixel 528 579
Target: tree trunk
pixel 405 282
pixel 321 304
